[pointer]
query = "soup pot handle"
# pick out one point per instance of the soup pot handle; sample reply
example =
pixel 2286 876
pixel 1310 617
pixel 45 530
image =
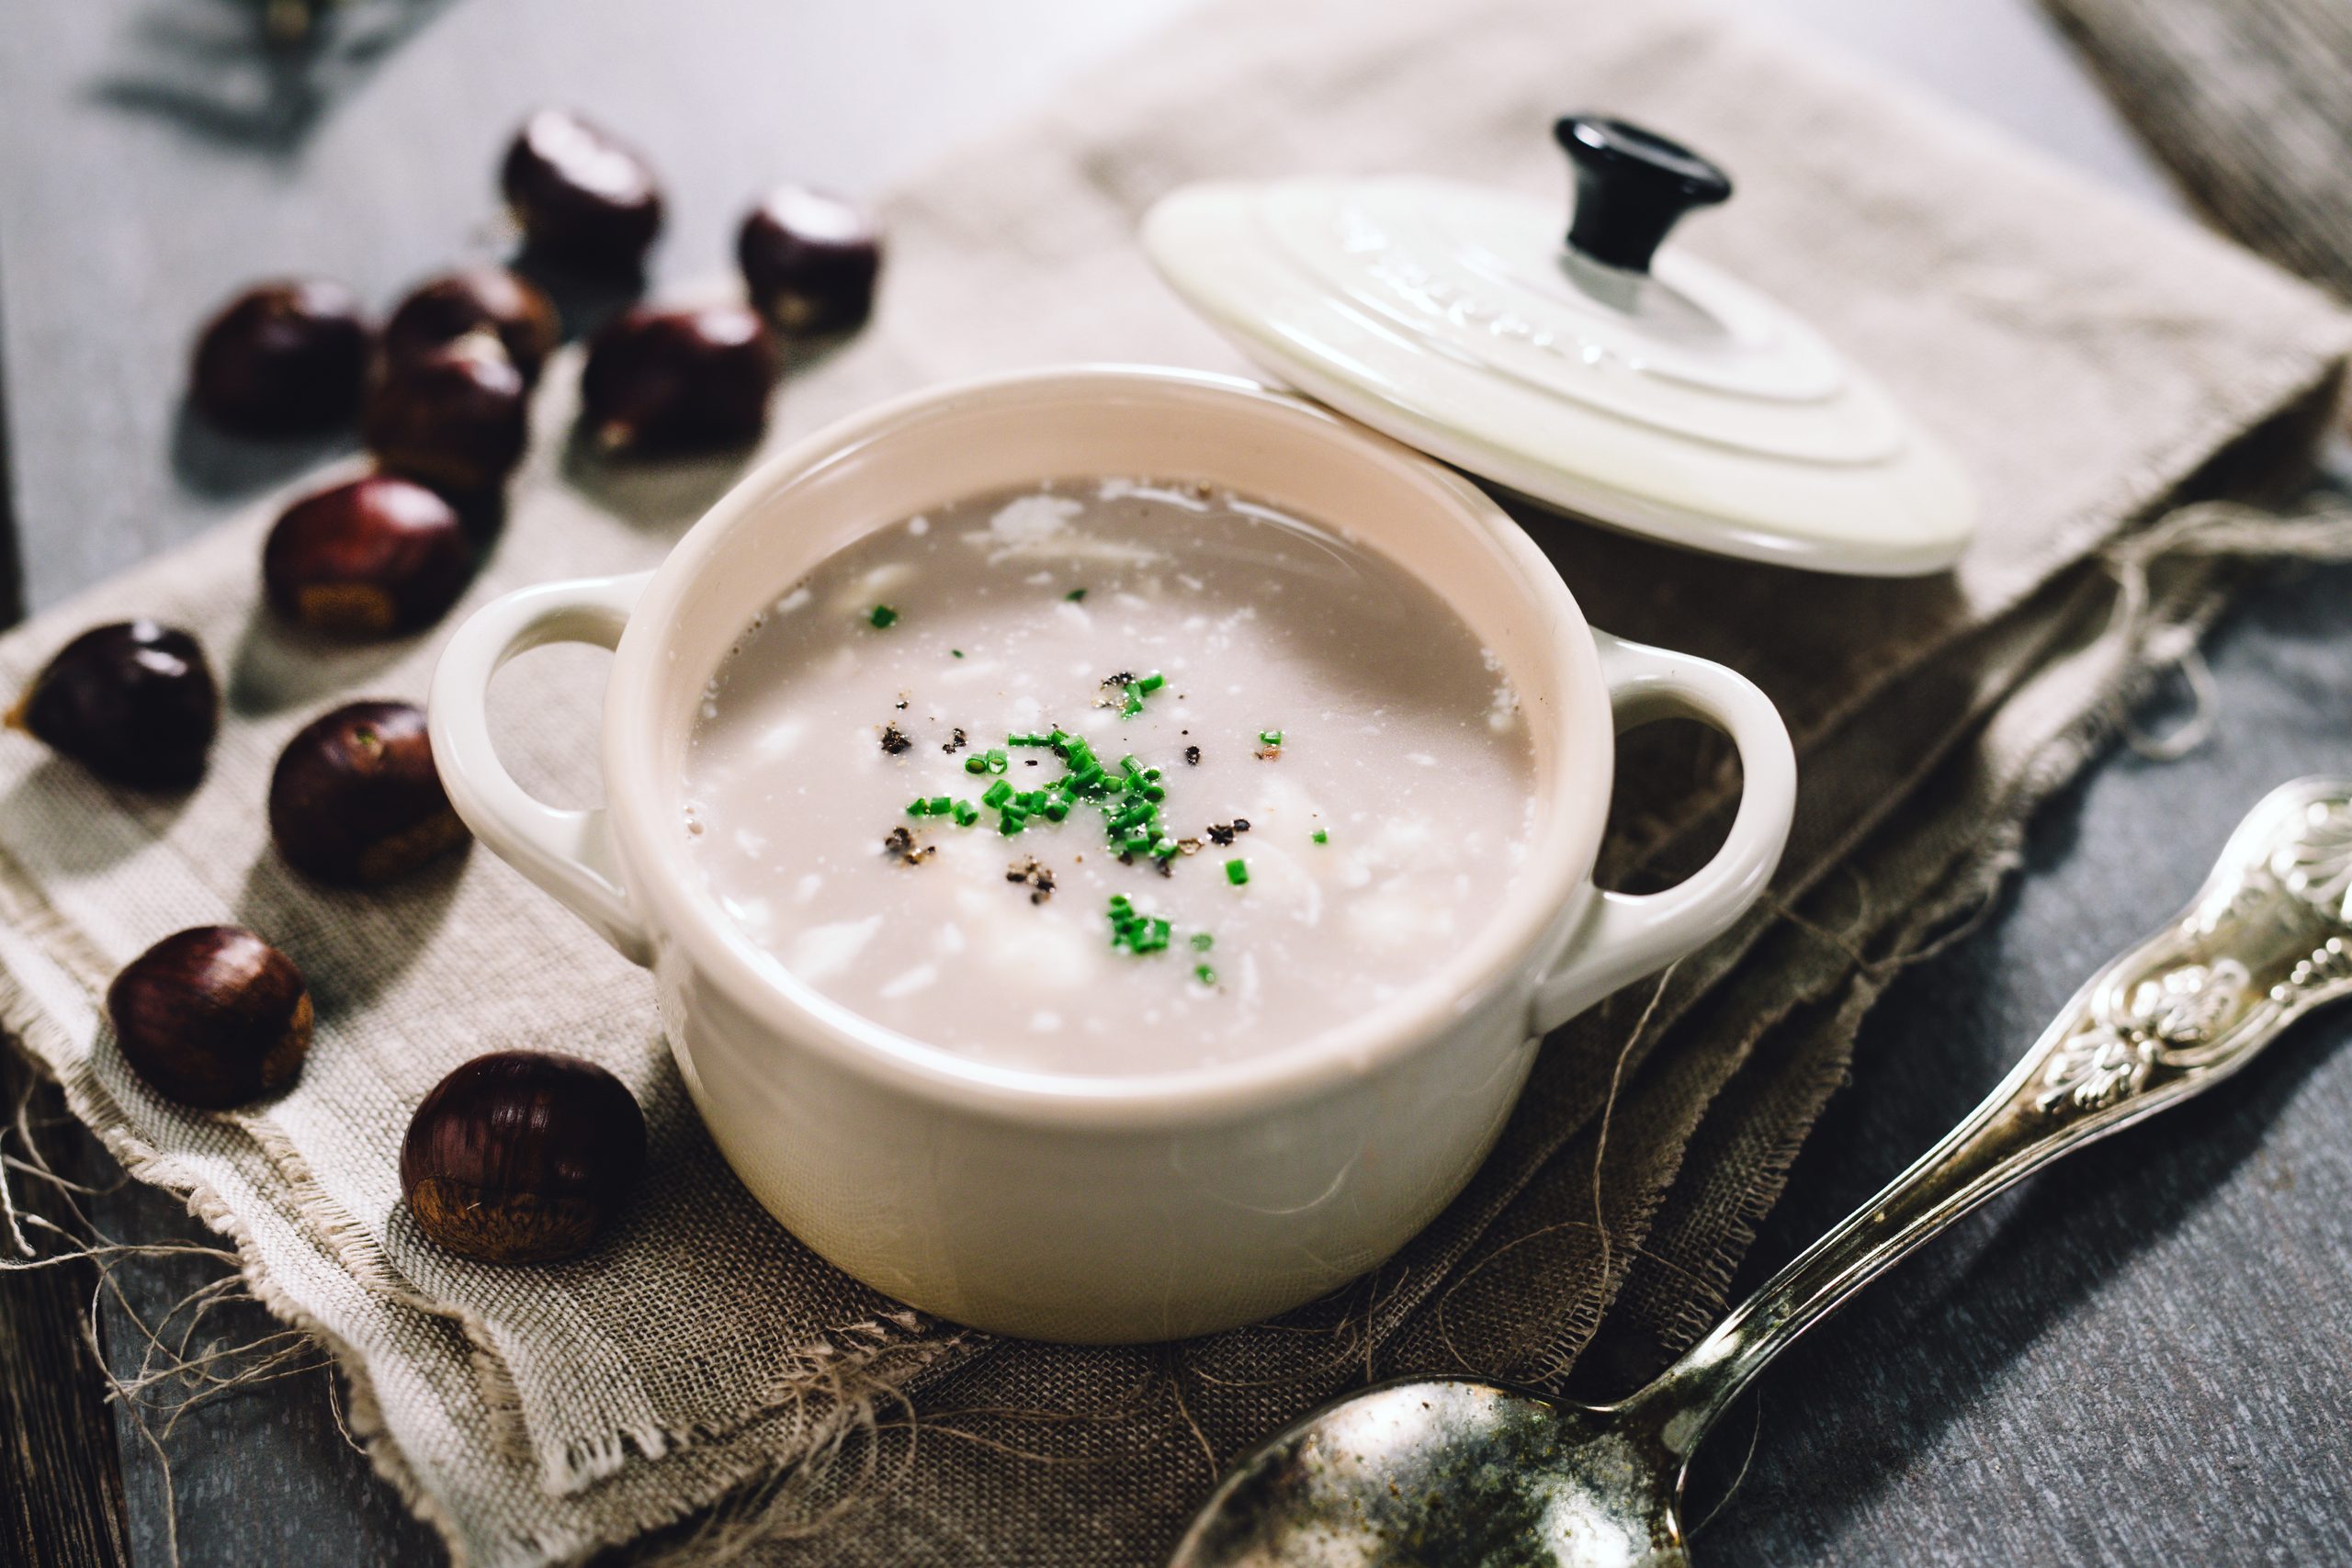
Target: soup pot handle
pixel 1624 936
pixel 570 853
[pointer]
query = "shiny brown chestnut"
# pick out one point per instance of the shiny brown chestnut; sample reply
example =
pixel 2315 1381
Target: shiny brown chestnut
pixel 133 702
pixel 289 23
pixel 371 557
pixel 212 1017
pixel 809 259
pixel 456 416
pixel 583 199
pixel 522 1156
pixel 476 299
pixel 678 380
pixel 286 358
pixel 354 799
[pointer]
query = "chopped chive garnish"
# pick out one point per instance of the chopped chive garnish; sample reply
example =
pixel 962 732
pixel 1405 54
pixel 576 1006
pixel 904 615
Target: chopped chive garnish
pixel 1137 932
pixel 1133 690
pixel 1128 795
pixel 956 651
pixel 1237 872
pixel 883 616
pixel 1204 975
pixel 1075 594
pixel 1321 836
pixel 1203 941
pixel 1270 738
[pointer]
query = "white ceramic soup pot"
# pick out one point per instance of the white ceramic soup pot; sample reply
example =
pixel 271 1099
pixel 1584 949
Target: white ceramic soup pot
pixel 1099 1209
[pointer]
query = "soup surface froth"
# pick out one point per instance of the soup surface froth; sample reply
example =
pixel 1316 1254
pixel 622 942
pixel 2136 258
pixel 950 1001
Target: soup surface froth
pixel 1261 779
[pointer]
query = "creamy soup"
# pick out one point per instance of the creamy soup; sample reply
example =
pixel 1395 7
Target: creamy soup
pixel 1110 777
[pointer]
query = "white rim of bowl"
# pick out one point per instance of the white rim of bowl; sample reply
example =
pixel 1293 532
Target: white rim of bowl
pixel 1526 934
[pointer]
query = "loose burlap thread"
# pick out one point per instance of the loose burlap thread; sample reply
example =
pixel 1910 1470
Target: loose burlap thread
pixel 2093 363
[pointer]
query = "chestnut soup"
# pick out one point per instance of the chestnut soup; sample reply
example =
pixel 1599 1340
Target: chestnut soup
pixel 1109 777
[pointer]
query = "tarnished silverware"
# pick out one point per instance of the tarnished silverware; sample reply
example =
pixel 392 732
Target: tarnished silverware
pixel 1457 1471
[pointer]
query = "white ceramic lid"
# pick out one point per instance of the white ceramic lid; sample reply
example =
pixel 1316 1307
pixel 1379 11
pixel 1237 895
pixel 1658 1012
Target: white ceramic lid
pixel 1634 386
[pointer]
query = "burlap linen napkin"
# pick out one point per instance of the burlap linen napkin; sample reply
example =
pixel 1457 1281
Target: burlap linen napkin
pixel 2093 363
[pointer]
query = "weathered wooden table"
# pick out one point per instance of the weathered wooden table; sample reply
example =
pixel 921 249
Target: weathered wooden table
pixel 2144 1356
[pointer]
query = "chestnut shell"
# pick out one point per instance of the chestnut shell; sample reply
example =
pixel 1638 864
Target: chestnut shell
pixel 445 308
pixel 212 1017
pixel 285 358
pixel 583 199
pixel 677 380
pixel 456 416
pixel 132 701
pixel 809 259
pixel 368 558
pixel 354 799
pixel 522 1156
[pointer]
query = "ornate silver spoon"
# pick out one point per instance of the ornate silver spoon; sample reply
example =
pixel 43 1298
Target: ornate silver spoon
pixel 1451 1472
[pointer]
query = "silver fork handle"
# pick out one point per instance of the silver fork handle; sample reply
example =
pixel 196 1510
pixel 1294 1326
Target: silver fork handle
pixel 2268 938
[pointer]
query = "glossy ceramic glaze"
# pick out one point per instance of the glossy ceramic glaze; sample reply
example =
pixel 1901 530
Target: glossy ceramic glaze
pixel 1674 402
pixel 1083 1208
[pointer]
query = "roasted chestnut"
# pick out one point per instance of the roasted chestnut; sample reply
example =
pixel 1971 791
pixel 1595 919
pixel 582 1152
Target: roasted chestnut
pixel 133 702
pixel 678 380
pixel 282 359
pixel 289 23
pixel 212 1017
pixel 476 299
pixel 355 800
pixel 809 259
pixel 376 556
pixel 455 416
pixel 583 199
pixel 522 1156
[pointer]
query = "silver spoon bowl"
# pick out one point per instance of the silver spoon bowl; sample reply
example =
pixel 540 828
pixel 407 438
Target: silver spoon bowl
pixel 1454 1473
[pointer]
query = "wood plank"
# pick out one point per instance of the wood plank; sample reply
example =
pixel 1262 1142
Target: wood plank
pixel 1979 1405
pixel 156 162
pixel 2145 1355
pixel 62 1502
pixel 12 579
pixel 261 1477
pixel 172 168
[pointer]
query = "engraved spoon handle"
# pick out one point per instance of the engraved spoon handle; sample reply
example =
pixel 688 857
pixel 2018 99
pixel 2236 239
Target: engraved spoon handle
pixel 2267 938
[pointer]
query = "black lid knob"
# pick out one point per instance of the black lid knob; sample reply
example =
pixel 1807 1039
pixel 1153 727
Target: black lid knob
pixel 1632 185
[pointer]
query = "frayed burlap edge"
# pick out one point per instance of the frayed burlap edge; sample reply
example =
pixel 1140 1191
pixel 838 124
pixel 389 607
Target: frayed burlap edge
pixel 835 1375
